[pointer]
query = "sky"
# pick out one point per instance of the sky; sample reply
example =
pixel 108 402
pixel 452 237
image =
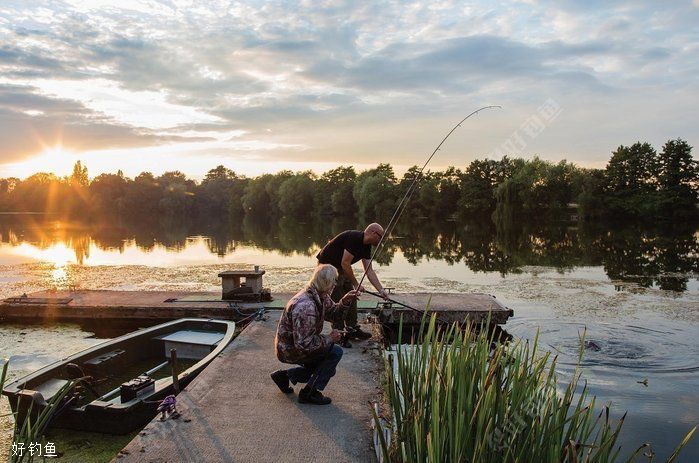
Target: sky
pixel 144 85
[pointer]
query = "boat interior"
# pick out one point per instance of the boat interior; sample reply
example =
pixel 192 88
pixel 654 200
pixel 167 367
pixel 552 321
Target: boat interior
pixel 132 368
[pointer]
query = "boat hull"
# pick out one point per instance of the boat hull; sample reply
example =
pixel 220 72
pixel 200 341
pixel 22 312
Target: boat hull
pixel 108 414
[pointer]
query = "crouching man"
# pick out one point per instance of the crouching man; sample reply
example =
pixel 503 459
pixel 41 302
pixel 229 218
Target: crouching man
pixel 299 339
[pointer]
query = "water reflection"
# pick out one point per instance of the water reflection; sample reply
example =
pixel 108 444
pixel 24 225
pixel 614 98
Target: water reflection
pixel 666 258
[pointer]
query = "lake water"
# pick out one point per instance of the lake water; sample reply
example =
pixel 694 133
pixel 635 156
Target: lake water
pixel 635 290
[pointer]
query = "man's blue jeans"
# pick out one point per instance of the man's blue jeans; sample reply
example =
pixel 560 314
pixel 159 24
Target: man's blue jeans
pixel 317 374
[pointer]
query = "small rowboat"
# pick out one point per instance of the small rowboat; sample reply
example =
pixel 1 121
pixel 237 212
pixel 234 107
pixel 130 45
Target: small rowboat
pixel 122 380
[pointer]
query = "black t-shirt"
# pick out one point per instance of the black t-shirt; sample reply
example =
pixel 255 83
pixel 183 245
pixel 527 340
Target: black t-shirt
pixel 350 240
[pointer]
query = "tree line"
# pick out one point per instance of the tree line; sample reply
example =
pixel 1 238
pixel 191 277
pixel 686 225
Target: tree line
pixel 640 254
pixel 638 182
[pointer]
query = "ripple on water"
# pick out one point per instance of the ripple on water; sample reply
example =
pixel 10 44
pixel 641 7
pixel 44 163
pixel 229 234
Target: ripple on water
pixel 666 349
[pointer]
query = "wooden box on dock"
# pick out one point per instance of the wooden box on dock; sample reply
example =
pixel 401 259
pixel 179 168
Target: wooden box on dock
pixel 234 288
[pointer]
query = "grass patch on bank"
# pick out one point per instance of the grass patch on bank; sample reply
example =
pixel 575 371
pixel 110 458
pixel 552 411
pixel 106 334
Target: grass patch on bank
pixel 459 396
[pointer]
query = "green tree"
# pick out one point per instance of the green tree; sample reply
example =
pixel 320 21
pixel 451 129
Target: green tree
pixel 177 194
pixel 480 181
pixel 7 185
pixel 256 200
pixel 537 188
pixel 107 194
pixel 40 192
pixel 296 196
pixel 428 194
pixel 219 172
pixel 73 193
pixel 235 205
pixel 142 196
pixel 449 193
pixel 215 195
pixel 334 192
pixel 79 176
pixel 478 185
pixel 679 174
pixel 632 178
pixel 272 188
pixel 588 189
pixel 413 208
pixel 554 188
pixel 375 193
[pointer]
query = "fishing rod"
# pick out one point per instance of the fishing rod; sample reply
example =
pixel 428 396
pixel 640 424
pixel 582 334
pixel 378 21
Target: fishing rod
pixel 393 301
pixel 409 192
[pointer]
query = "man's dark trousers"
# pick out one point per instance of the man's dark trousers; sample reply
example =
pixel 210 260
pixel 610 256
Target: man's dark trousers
pixel 316 374
pixel 342 287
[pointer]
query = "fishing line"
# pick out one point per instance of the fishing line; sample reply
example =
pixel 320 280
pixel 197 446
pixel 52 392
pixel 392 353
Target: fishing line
pixel 409 192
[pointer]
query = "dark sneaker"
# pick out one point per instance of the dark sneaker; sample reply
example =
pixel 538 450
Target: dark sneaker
pixel 357 333
pixel 345 343
pixel 312 396
pixel 281 379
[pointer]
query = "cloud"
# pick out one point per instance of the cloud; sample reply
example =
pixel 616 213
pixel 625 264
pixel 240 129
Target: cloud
pixel 24 135
pixel 144 109
pixel 30 122
pixel 329 76
pixel 25 97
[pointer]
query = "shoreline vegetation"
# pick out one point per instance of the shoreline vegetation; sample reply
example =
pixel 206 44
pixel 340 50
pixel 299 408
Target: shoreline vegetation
pixel 459 395
pixel 638 183
pixel 643 255
pixel 33 429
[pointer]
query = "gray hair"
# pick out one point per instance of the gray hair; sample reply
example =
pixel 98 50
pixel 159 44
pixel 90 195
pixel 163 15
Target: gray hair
pixel 323 278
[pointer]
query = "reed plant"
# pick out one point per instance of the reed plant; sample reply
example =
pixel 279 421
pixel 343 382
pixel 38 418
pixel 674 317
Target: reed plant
pixel 33 427
pixel 457 395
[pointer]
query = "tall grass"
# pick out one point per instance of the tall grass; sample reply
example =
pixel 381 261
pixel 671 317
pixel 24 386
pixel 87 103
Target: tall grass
pixel 34 425
pixel 458 396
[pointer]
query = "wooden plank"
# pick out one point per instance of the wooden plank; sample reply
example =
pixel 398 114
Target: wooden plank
pixel 38 300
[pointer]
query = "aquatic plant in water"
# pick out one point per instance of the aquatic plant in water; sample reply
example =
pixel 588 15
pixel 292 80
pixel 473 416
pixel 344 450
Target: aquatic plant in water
pixel 457 395
pixel 34 425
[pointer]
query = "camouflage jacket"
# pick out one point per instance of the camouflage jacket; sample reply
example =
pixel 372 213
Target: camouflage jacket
pixel 299 337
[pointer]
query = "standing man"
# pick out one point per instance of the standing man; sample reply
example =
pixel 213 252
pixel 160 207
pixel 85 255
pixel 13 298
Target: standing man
pixel 341 252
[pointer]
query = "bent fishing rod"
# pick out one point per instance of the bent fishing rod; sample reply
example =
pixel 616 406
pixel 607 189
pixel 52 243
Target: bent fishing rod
pixel 408 194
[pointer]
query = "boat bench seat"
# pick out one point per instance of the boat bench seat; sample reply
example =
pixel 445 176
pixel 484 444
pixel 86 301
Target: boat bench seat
pixel 191 344
pixel 50 388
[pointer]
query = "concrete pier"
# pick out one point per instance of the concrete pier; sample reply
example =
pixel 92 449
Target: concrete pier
pixel 161 306
pixel 233 412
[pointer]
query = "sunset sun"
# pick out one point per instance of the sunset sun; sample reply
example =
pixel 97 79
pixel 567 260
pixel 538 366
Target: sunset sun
pixel 54 159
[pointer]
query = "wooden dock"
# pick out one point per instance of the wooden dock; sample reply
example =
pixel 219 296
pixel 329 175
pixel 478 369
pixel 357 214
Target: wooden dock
pixel 94 305
pixel 233 412
pixel 449 308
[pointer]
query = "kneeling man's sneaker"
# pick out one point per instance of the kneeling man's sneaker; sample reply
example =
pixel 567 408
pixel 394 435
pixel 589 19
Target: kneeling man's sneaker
pixel 281 379
pixel 313 396
pixel 356 333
